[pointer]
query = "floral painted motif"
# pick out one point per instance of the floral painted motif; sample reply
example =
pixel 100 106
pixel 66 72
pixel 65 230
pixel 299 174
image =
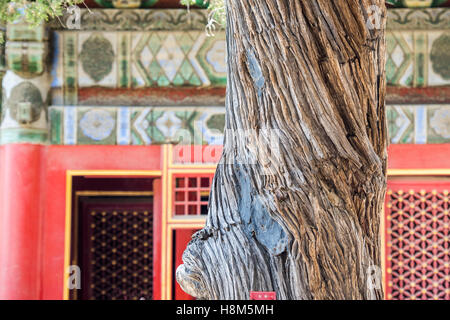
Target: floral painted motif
pixel 440 122
pixel 440 55
pixel 97 124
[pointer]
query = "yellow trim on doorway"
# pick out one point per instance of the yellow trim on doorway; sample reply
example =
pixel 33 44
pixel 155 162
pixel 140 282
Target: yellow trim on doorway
pixel 164 247
pixel 418 172
pixel 68 228
pixel 68 234
pixel 115 173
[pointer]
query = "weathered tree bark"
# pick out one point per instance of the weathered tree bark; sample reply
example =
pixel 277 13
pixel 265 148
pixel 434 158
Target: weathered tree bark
pixel 304 220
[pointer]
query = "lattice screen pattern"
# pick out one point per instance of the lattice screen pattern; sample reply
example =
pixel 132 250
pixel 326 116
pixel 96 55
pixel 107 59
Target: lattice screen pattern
pixel 417 241
pixel 191 194
pixel 121 255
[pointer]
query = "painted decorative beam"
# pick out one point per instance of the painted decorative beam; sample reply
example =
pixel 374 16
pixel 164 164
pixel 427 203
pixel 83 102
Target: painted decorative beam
pixel 166 4
pixel 121 60
pixel 170 48
pixel 182 19
pixel 418 124
pixel 133 20
pixel 26 85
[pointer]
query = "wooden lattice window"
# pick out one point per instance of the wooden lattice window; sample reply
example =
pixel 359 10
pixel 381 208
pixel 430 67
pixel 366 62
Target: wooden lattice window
pixel 191 194
pixel 117 249
pixel 417 241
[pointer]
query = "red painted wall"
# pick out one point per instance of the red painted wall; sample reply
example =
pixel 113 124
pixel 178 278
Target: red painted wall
pixel 33 204
pixel 21 212
pixel 413 156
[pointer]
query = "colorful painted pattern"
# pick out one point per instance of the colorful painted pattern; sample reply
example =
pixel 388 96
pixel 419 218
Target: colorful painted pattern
pixel 25 86
pixel 418 58
pixel 170 51
pixel 205 125
pixel 181 19
pixel 419 124
pixel 137 20
pixel 416 3
pixel 130 49
pixel 418 19
pixel 138 59
pixel 136 125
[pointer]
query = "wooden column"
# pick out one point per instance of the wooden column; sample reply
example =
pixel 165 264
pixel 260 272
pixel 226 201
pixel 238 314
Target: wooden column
pixel 23 133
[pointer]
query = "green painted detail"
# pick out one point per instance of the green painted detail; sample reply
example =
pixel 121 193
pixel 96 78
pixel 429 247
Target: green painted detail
pixel 155 72
pixel 391 43
pixel 56 126
pixel 23 135
pixel 216 122
pixel 438 125
pixel 163 81
pixel 153 132
pixel 158 125
pixel 195 80
pixel 216 78
pixel 126 4
pixel 153 43
pixel 97 57
pixel 391 71
pixel 138 3
pixel 399 57
pixel 420 45
pixel 124 62
pixel 26 59
pixel 178 80
pixel 187 123
pixel 416 3
pixel 440 56
pixel 400 124
pixel 186 71
pixel 145 59
pixel 25 32
pixel 185 42
pixel 25 103
pixel 69 67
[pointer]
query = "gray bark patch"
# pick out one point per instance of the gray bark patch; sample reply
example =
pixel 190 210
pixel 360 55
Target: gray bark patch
pixel 257 221
pixel 255 71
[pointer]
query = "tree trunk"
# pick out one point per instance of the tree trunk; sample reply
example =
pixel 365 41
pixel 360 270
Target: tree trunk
pixel 299 215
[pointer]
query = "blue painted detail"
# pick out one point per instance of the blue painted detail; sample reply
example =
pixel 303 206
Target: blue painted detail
pixel 70 126
pixel 421 125
pixel 56 82
pixel 124 127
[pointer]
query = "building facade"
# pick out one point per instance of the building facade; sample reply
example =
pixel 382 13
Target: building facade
pixel 97 178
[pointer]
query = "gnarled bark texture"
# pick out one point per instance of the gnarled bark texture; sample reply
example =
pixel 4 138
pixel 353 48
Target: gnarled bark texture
pixel 304 220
